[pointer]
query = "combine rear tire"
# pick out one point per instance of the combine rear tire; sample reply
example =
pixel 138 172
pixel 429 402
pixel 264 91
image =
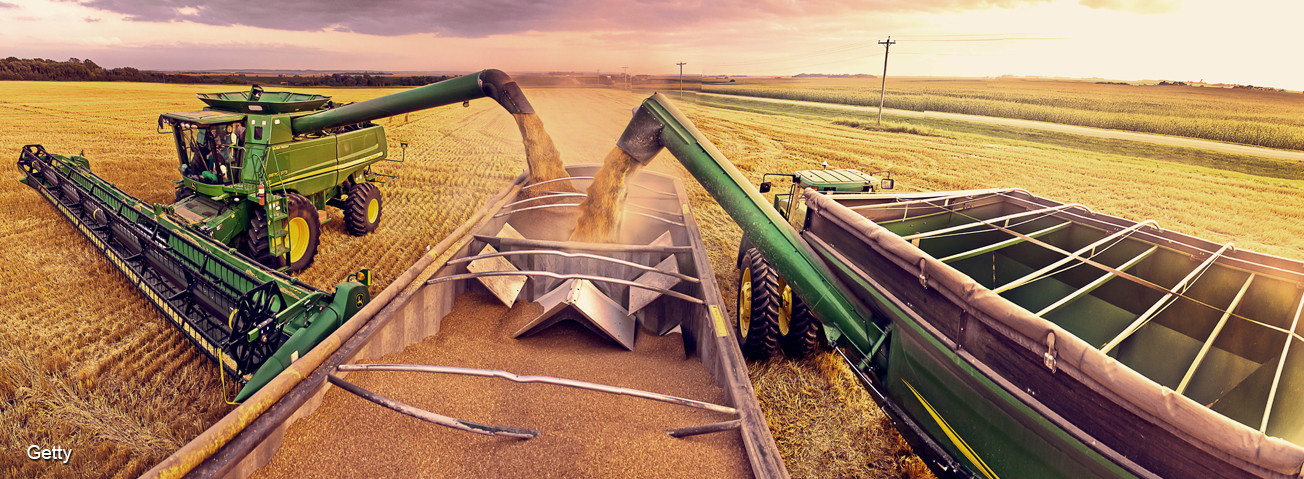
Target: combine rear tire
pixel 362 214
pixel 259 241
pixel 304 228
pixel 758 307
pixel 800 335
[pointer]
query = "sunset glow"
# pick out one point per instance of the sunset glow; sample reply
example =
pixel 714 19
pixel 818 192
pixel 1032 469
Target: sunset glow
pixel 1184 40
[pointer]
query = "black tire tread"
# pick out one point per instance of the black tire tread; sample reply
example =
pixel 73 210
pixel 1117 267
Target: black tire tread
pixel 258 241
pixel 355 212
pixel 803 331
pixel 762 335
pixel 300 207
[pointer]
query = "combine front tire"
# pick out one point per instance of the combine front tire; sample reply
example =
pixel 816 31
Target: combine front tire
pixel 304 231
pixel 362 214
pixel 758 307
pixel 259 241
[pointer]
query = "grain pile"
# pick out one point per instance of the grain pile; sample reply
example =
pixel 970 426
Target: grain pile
pixel 584 433
pixel 601 212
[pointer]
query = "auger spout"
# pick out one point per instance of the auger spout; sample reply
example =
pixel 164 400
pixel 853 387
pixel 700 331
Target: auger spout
pixel 488 83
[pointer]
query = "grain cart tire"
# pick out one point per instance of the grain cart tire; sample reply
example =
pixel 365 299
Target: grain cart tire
pixel 364 209
pixel 303 229
pixel 258 241
pixel 800 336
pixel 757 319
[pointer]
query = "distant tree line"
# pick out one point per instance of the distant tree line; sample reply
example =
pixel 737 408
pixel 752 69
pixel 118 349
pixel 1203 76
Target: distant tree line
pixel 39 69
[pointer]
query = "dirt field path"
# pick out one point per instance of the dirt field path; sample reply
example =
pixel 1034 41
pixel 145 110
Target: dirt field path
pixel 1040 125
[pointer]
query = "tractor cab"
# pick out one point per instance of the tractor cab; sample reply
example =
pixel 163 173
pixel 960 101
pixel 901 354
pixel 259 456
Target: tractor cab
pixel 827 181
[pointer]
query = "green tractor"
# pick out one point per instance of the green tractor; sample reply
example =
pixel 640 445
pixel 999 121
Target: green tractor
pixel 259 167
pixel 770 316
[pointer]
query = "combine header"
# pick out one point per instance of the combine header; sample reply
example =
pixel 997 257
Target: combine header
pixel 256 167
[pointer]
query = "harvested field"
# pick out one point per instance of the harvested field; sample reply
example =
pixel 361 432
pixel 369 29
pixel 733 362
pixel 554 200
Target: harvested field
pixel 1249 116
pixel 584 433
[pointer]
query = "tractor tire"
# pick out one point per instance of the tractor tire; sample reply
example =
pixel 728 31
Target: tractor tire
pixel 258 241
pixel 800 337
pixel 304 232
pixel 757 320
pixel 183 193
pixel 363 211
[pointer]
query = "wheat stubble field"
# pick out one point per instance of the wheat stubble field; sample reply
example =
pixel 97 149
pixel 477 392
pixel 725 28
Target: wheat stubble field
pixel 86 364
pixel 1259 117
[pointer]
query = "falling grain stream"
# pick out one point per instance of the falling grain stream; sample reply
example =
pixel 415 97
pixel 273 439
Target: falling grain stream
pixel 541 155
pixel 601 212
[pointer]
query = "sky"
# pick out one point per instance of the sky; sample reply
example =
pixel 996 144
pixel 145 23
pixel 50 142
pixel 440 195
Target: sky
pixel 1245 42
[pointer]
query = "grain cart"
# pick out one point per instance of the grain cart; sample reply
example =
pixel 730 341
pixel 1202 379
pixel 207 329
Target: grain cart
pixel 1010 335
pixel 256 168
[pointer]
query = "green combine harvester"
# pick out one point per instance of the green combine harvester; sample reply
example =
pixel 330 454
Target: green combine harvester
pixel 256 168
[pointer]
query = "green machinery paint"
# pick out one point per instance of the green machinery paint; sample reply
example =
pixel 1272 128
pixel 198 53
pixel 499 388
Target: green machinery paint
pixel 914 375
pixel 248 317
pixel 658 124
pixel 245 157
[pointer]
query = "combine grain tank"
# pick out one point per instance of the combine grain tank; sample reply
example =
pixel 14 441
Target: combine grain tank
pixel 615 346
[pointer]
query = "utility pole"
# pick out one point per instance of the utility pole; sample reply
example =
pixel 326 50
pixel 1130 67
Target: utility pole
pixel 681 79
pixel 626 77
pixel 886 47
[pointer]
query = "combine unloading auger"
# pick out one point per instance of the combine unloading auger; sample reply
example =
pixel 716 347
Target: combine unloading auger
pixel 657 124
pixel 249 163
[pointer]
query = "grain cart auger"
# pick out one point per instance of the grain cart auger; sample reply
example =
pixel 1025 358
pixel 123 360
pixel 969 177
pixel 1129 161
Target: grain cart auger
pixel 257 166
pixel 658 124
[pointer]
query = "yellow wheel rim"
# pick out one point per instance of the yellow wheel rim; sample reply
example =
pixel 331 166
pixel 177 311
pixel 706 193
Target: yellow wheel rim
pixel 785 308
pixel 373 210
pixel 745 303
pixel 299 232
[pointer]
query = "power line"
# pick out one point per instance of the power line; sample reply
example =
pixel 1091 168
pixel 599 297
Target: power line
pixel 776 72
pixel 826 51
pixel 990 39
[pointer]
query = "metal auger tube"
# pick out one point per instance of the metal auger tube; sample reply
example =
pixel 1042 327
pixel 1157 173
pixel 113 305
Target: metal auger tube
pixel 658 124
pixel 488 83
